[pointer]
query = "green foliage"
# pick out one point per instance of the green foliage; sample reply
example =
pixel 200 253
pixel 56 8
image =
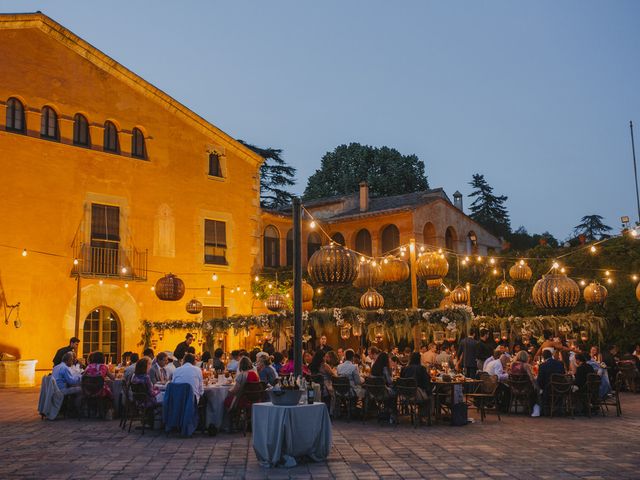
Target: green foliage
pixel 275 176
pixel 488 209
pixel 520 240
pixel 386 170
pixel 592 227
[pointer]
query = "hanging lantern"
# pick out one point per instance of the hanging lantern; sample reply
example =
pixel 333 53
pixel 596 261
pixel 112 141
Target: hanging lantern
pixel 345 331
pixel 584 336
pixel 423 336
pixel 446 302
pixel 307 306
pixel 160 334
pixel 369 274
pixel 496 337
pixel 594 293
pixel 194 306
pixel 276 302
pixel 378 332
pixel 169 288
pixel 438 337
pixel 433 267
pixel 520 271
pixel 394 269
pixel 307 292
pixel 505 290
pixel 638 292
pixel 356 329
pixel 556 290
pixel 451 335
pixel 371 300
pixel 459 295
pixel 333 265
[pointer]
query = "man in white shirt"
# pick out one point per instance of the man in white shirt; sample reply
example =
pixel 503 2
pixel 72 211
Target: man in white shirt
pixel 189 373
pixel 350 370
pixel 498 366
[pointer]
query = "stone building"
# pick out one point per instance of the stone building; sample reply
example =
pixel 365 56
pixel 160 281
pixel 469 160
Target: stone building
pixel 106 176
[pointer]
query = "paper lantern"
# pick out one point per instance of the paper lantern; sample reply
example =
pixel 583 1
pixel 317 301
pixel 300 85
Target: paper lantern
pixel 505 290
pixel 433 267
pixel 459 295
pixel 169 288
pixel 394 269
pixel 556 290
pixel 520 271
pixel 371 300
pixel 594 293
pixel 307 292
pixel 276 302
pixel 194 306
pixel 333 265
pixel 369 274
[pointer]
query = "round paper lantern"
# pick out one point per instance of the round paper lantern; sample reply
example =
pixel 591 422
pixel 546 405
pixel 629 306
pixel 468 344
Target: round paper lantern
pixel 371 300
pixel 505 290
pixel 276 302
pixel 307 292
pixel 369 274
pixel 556 290
pixel 169 288
pixel 194 306
pixel 520 271
pixel 394 269
pixel 459 295
pixel 433 267
pixel 594 293
pixel 446 302
pixel 333 265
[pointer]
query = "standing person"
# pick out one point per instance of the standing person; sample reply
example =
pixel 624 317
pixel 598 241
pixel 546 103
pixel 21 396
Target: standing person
pixel 323 344
pixel 486 346
pixel 183 347
pixel 467 355
pixel 72 347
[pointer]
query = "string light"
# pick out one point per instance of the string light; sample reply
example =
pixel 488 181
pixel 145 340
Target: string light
pixel 244 292
pixel 492 261
pixel 24 252
pixel 313 224
pixel 422 248
pixel 100 282
pixel 126 285
pixel 466 259
pixel 479 258
pixel 495 271
pixel 238 288
pixel 583 283
pixel 593 249
pixel 124 270
pixel 153 289
pixel 75 261
pixel 214 277
pixel 563 270
pixel 439 250
pixel 270 286
pixel 464 262
pixel 634 277
pixel 256 278
pixel 609 280
pixel 521 262
pixel 555 265
pixel 319 291
pixel 607 273
pixel 209 291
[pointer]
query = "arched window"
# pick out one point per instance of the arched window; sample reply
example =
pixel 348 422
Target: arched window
pixel 429 236
pixel 338 238
pixel 451 239
pixel 81 130
pixel 49 124
pixel 390 238
pixel 314 242
pixel 111 143
pixel 271 247
pixel 15 116
pixel 138 148
pixel 472 242
pixel 215 169
pixel 101 333
pixel 290 248
pixel 363 242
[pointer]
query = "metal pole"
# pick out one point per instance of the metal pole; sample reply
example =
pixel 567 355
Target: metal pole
pixel 414 290
pixel 78 293
pixel 297 286
pixel 635 169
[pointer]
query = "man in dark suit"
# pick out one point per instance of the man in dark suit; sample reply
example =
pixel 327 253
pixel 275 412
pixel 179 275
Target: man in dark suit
pixel 183 347
pixel 72 347
pixel 548 368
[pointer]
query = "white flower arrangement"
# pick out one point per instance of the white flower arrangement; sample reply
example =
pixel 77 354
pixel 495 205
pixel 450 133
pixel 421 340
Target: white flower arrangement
pixel 337 314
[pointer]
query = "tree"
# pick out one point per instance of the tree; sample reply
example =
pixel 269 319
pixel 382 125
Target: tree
pixel 275 176
pixel 592 228
pixel 386 170
pixel 488 209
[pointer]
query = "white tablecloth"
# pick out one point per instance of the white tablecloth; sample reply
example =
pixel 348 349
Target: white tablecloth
pixel 301 430
pixel 215 396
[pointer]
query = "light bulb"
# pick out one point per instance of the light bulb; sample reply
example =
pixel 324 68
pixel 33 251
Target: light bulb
pixel 479 258
pixel 522 262
pixel 270 285
pixel 124 270
pixel 593 249
pixel 256 278
pixel 492 261
pixel 562 270
pixel 362 259
pixel 439 250
pixel 319 290
pixel 374 264
pixel 386 260
pixel 466 259
pixel 244 292
pixel 100 282
pixel 556 265
pixel 609 280
pixel 464 262
pixel 607 273
pixel 583 283
pixel 422 248
pixel 24 252
pixel 634 277
pixel 126 285
pixel 555 289
pixel 402 254
pixel 313 224
pixel 75 261
pixel 495 271
pixel 153 289
pixel 214 277
pixel 238 289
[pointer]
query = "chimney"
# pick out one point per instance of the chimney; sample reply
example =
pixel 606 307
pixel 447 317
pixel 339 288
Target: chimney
pixel 364 196
pixel 457 201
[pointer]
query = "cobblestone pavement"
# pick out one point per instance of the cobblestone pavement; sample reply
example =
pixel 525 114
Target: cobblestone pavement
pixel 517 447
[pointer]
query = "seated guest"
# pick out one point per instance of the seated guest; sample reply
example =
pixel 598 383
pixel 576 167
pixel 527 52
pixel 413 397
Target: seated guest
pixel 405 356
pixel 233 363
pixel 72 347
pixel 206 356
pixel 289 367
pixel 548 367
pixel 583 369
pixel 130 370
pixel 189 373
pixel 125 360
pixel 266 372
pixel 498 366
pixel 381 368
pixel 246 374
pixel 172 364
pixel 605 384
pixel 416 370
pixel 594 353
pixel 97 368
pixel 268 347
pixel 158 372
pixel 340 354
pixel 445 356
pixel 316 362
pixel 328 369
pixel 278 359
pixel 218 364
pixel 67 381
pixel 494 356
pixel 521 366
pixel 306 358
pixel 323 344
pixel 350 370
pixel 372 354
pixel 148 352
pixel 141 376
pixel 253 355
pixel 428 354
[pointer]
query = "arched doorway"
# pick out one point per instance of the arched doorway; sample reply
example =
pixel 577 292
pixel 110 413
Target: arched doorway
pixel 363 242
pixel 101 332
pixel 429 234
pixel 390 238
pixel 451 239
pixel 338 238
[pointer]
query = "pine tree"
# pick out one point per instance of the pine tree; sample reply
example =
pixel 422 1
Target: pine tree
pixel 275 176
pixel 592 228
pixel 488 209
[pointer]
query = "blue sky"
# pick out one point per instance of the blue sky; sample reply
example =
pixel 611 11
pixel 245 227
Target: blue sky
pixel 537 96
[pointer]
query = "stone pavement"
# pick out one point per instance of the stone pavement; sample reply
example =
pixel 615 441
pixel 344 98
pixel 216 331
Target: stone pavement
pixel 518 447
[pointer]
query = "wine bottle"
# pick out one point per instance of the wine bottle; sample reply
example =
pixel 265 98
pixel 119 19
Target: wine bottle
pixel 311 394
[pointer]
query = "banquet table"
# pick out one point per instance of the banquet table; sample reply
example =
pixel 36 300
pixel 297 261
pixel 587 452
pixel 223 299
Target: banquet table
pixel 455 388
pixel 215 395
pixel 289 432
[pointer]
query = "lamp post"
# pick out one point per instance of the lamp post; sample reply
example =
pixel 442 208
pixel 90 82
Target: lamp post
pixel 635 169
pixel 297 286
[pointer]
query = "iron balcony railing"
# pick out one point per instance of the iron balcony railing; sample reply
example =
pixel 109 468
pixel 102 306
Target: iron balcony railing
pixel 111 261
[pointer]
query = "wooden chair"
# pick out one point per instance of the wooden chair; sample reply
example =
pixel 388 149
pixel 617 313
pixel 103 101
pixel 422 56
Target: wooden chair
pixel 376 396
pixel 343 395
pixel 561 393
pixel 140 407
pixel 91 395
pixel 591 394
pixel 125 403
pixel 408 401
pixel 521 390
pixel 613 398
pixel 630 375
pixel 252 392
pixel 485 395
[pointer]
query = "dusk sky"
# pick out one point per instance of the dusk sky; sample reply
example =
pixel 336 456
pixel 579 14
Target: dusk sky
pixel 535 95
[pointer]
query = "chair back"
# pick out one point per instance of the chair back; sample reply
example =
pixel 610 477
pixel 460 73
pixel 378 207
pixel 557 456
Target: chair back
pixel 593 387
pixel 407 388
pixel 520 385
pixel 561 384
pixel 341 386
pixel 628 370
pixel 140 393
pixel 92 385
pixel 489 384
pixel 253 392
pixel 375 387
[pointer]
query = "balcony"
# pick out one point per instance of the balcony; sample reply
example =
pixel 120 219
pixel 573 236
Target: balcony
pixel 111 261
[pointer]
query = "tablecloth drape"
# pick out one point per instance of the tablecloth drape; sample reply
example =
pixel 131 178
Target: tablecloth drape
pixel 215 396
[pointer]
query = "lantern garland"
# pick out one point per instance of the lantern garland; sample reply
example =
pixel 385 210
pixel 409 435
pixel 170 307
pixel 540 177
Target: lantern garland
pixel 394 269
pixel 520 271
pixel 505 290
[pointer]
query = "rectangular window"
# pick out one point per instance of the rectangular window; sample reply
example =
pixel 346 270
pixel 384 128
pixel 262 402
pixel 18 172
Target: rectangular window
pixel 215 242
pixel 105 239
pixel 214 165
pixel 213 313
